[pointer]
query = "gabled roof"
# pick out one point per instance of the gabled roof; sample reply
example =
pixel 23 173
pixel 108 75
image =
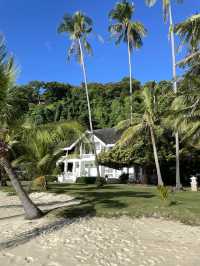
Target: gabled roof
pixel 108 135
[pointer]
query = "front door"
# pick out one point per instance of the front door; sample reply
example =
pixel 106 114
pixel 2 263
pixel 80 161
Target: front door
pixel 90 169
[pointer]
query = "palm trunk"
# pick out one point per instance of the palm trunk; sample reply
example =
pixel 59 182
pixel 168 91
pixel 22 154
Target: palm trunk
pixel 178 181
pixel 130 81
pixel 31 210
pixel 160 181
pixel 89 113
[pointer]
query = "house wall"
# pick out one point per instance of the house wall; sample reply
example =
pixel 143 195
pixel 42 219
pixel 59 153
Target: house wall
pixel 84 164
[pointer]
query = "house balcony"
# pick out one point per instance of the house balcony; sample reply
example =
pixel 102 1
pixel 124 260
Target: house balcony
pixel 78 156
pixel 88 156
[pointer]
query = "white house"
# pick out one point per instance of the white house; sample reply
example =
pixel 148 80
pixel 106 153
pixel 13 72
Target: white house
pixel 80 160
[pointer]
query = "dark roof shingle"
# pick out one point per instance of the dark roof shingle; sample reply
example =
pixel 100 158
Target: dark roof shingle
pixel 108 135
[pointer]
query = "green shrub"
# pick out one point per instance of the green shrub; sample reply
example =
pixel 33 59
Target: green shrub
pixel 113 181
pixel 51 178
pixel 124 178
pixel 88 180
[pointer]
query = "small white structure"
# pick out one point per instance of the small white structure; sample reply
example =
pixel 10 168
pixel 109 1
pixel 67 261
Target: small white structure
pixel 194 183
pixel 80 160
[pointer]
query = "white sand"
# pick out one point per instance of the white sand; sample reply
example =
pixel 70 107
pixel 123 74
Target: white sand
pixel 93 241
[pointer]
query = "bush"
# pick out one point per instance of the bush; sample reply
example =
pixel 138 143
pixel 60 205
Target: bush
pixel 124 178
pixel 51 178
pixel 112 181
pixel 88 180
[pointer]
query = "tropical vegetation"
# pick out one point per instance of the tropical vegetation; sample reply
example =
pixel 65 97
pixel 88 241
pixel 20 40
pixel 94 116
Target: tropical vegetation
pixel 39 118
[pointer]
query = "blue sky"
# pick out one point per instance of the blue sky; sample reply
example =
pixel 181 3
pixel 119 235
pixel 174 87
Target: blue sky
pixel 30 28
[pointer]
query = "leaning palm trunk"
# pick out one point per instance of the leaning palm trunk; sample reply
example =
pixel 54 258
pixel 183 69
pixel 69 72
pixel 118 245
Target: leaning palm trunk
pixel 31 210
pixel 130 78
pixel 178 182
pixel 160 181
pixel 89 112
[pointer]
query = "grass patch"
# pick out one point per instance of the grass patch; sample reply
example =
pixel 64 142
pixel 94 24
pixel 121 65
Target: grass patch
pixel 114 200
pixel 135 201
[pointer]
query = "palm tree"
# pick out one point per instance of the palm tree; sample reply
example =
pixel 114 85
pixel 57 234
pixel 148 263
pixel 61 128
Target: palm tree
pixel 7 117
pixel 144 123
pixel 186 110
pixel 167 12
pixel 78 27
pixel 189 34
pixel 41 147
pixel 129 32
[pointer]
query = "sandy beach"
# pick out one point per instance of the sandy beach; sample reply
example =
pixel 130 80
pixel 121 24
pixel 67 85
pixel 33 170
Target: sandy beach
pixel 91 241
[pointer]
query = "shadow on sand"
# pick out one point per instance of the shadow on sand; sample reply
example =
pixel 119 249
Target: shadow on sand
pixel 69 215
pixel 90 198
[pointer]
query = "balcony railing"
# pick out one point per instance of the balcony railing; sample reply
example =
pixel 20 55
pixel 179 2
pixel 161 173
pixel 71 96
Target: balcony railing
pixel 88 155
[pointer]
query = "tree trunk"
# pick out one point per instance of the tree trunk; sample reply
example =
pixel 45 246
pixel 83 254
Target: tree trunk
pixel 2 179
pixel 130 81
pixel 90 116
pixel 31 210
pixel 160 181
pixel 145 175
pixel 178 181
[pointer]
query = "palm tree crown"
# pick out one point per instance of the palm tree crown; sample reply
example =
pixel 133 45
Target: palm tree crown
pixel 8 72
pixel 189 32
pixel 78 27
pixel 124 29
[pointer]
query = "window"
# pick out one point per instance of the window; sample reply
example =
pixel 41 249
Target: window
pixel 89 165
pixel 98 146
pixel 108 170
pixel 87 149
pixel 61 167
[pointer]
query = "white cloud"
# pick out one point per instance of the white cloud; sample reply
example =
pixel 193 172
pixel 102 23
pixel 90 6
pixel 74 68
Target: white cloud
pixel 48 46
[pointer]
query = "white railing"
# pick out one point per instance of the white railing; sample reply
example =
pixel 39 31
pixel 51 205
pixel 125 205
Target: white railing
pixel 65 176
pixel 88 156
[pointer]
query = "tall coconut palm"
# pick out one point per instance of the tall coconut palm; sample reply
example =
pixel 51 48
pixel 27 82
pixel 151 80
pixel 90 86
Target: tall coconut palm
pixel 128 31
pixel 78 27
pixel 167 12
pixel 7 116
pixel 144 123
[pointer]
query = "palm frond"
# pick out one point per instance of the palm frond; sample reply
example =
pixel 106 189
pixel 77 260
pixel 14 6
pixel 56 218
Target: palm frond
pixel 8 72
pixel 189 32
pixel 136 31
pixel 131 134
pixel 87 46
pixel 122 11
pixel 123 28
pixel 78 26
